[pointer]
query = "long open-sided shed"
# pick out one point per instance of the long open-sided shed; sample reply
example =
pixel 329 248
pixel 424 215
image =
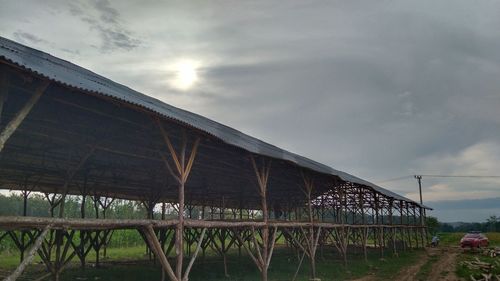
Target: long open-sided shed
pixel 67 131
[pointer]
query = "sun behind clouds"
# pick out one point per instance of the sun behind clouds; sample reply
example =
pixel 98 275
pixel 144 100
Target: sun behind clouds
pixel 186 74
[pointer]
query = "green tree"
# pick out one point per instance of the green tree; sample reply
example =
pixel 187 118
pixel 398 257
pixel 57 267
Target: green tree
pixel 432 224
pixel 492 223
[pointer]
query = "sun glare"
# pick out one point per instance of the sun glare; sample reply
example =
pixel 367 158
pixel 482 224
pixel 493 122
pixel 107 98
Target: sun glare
pixel 185 74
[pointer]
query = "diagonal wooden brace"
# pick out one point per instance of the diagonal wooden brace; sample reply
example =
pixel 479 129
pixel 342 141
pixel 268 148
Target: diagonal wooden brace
pixel 156 248
pixel 31 255
pixel 18 119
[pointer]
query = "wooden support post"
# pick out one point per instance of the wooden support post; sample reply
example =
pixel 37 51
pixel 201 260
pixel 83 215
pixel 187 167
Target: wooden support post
pixel 11 127
pixel 23 241
pixel 308 188
pixel 258 262
pixel 25 194
pixel 222 235
pixel 261 259
pixel 262 174
pixel 108 234
pixel 364 231
pixel 61 257
pixel 81 249
pixel 31 255
pixel 408 230
pixel 70 173
pixel 392 229
pixel 180 174
pixel 401 229
pixel 379 230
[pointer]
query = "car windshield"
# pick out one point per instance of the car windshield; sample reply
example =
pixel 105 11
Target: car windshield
pixel 472 235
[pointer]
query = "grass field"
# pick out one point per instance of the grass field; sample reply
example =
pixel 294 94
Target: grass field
pixel 423 273
pixel 453 239
pixel 131 264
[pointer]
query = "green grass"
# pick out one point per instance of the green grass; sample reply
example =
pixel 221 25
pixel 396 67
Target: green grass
pixel 386 269
pixel 462 271
pixel 426 268
pixel 283 266
pixel 453 238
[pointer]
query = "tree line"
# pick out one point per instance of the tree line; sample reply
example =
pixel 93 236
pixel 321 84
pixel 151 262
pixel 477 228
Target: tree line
pixel 492 224
pixel 38 206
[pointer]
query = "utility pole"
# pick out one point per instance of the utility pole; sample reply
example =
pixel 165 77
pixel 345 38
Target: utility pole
pixel 419 179
pixel 422 210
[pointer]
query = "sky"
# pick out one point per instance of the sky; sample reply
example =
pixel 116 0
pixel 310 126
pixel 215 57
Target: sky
pixel 379 89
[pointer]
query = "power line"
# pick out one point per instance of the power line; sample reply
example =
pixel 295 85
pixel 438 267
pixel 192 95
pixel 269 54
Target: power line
pixel 459 176
pixel 420 176
pixel 395 179
pixel 438 176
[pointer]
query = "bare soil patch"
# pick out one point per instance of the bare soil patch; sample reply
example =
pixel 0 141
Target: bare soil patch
pixel 442 269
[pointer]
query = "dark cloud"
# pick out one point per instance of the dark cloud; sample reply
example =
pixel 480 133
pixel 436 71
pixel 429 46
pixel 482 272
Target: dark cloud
pixel 379 89
pixel 27 38
pixel 116 39
pixel 31 39
pixel 107 23
pixel 108 14
pixel 74 52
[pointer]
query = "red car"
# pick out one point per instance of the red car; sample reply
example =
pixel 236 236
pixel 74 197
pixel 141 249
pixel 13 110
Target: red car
pixel 474 240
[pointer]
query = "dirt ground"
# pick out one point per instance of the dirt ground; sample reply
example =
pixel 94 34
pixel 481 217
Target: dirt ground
pixel 443 269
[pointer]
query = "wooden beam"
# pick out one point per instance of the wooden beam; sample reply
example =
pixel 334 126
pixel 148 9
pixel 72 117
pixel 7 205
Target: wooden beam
pixel 20 223
pixel 69 177
pixel 249 251
pixel 156 248
pixel 308 188
pixel 19 117
pixel 173 153
pixel 181 175
pixel 298 267
pixel 262 174
pixel 271 248
pixel 193 258
pixel 31 255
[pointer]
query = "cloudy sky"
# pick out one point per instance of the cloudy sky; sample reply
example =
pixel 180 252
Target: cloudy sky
pixel 379 89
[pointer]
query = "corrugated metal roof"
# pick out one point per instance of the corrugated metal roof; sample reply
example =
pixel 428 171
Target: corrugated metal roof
pixel 75 76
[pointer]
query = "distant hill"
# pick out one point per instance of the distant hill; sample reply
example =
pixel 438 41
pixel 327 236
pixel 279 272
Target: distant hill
pixel 465 211
pixel 484 203
pixel 456 224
